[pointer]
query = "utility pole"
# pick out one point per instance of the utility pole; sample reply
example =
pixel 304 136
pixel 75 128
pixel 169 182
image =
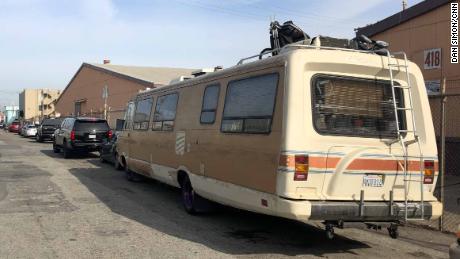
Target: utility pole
pixel 404 4
pixel 105 95
pixel 42 101
pixel 443 147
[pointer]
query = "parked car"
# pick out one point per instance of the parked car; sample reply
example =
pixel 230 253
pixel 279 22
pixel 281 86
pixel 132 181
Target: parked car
pixel 454 251
pixel 29 131
pixel 46 129
pixel 81 134
pixel 22 126
pixel 108 152
pixel 14 127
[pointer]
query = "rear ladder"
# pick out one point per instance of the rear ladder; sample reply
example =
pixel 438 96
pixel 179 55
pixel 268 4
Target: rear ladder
pixel 401 132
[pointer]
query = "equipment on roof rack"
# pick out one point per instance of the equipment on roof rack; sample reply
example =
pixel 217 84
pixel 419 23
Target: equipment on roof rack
pixel 281 35
pixel 364 43
pixel 288 33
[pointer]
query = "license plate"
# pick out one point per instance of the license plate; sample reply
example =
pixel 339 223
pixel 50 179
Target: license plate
pixel 373 180
pixel 92 136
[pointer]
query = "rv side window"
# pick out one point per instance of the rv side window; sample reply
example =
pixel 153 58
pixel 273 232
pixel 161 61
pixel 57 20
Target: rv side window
pixel 142 114
pixel 355 107
pixel 209 107
pixel 249 105
pixel 165 112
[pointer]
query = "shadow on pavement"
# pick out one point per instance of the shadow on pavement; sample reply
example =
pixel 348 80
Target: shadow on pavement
pixel 228 230
pixel 77 155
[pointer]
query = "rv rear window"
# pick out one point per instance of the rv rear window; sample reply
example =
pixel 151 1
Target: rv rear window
pixel 355 107
pixel 249 104
pixel 210 100
pixel 165 112
pixel 142 114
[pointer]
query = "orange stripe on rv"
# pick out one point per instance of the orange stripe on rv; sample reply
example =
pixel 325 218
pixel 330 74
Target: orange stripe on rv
pixel 384 165
pixel 357 164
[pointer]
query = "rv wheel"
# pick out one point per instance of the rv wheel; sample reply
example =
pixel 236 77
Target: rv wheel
pixel 188 196
pixel 393 231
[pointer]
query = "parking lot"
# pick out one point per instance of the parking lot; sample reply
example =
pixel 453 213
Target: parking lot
pixel 78 208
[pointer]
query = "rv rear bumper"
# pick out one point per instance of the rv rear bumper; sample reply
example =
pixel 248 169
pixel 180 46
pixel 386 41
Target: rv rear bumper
pixel 372 211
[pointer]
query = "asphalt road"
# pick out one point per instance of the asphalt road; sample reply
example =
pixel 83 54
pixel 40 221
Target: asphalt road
pixel 51 207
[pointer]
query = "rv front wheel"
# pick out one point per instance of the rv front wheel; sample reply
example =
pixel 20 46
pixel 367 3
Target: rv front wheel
pixel 188 195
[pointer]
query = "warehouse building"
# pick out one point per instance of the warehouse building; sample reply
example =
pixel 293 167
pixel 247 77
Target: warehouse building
pixel 423 31
pixel 103 90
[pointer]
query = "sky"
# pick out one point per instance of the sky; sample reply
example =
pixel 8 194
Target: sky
pixel 44 42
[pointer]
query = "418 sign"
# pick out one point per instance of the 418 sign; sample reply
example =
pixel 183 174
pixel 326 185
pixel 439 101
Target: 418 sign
pixel 432 58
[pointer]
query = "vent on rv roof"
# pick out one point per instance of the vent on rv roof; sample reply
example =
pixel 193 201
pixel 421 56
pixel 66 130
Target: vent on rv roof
pixel 205 71
pixel 180 79
pixel 144 90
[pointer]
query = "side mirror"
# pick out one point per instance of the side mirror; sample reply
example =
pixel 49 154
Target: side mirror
pixel 120 124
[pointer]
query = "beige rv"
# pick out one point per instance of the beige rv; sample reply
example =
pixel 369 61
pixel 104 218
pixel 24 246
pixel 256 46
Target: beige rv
pixel 313 133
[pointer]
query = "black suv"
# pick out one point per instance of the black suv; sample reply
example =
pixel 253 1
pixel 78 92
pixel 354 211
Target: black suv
pixel 47 128
pixel 81 134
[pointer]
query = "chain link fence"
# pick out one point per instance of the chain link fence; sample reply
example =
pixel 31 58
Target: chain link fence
pixel 448 118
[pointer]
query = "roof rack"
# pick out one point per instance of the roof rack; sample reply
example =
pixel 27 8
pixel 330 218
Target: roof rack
pixel 301 46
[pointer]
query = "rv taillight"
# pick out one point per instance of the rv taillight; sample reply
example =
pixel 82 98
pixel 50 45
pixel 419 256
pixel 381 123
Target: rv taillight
pixel 301 168
pixel 109 134
pixel 72 135
pixel 428 172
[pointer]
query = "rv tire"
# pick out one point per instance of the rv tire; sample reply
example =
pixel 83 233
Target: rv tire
pixel 393 231
pixel 188 195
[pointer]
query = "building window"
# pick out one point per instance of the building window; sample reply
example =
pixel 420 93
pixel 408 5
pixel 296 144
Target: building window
pixel 165 112
pixel 355 107
pixel 249 105
pixel 209 106
pixel 78 108
pixel 142 114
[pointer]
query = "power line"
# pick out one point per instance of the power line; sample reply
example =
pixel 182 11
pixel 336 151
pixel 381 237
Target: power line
pixel 299 16
pixel 223 10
